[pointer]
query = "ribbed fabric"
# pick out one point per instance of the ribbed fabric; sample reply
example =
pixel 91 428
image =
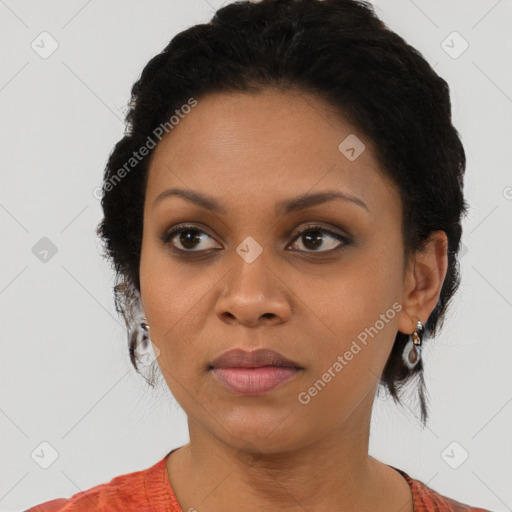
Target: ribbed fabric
pixel 149 490
pixel 426 499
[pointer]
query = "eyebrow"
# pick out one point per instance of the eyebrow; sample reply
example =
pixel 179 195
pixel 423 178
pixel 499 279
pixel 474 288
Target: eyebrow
pixel 283 207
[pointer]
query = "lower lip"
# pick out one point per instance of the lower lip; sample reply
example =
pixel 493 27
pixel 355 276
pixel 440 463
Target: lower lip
pixel 254 381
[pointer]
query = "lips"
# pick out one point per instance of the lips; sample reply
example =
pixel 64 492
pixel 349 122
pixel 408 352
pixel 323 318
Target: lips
pixel 253 373
pixel 238 358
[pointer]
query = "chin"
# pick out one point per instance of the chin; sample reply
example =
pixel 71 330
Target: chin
pixel 253 436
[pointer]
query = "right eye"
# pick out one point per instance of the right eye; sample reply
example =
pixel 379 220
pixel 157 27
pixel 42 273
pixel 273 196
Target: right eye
pixel 187 239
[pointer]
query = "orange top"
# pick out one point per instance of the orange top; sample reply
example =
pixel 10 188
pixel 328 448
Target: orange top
pixel 149 490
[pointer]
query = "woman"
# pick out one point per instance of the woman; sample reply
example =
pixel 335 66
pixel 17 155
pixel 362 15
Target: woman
pixel 284 217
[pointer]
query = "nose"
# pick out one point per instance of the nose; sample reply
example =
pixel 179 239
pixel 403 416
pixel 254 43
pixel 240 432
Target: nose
pixel 253 294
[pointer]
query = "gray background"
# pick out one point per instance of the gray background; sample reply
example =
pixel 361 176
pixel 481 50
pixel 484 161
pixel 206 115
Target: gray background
pixel 65 376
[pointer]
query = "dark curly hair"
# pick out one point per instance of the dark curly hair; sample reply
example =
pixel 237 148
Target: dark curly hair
pixel 339 51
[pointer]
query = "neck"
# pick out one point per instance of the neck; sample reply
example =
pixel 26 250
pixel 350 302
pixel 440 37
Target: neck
pixel 332 473
pixel 319 476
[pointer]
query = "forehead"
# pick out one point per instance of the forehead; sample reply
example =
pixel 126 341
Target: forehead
pixel 267 145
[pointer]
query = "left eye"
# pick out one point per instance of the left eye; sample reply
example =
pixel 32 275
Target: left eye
pixel 314 237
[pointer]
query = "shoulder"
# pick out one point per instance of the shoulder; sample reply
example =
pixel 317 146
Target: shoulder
pixel 122 493
pixel 427 499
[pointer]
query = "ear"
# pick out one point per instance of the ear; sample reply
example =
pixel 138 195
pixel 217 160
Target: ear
pixel 424 278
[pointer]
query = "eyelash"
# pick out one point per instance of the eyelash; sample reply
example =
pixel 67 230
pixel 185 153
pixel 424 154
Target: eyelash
pixel 168 236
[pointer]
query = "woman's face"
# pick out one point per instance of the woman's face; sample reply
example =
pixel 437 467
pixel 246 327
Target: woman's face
pixel 247 279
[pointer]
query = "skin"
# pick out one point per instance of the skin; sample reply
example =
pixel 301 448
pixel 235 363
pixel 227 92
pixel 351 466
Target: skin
pixel 250 151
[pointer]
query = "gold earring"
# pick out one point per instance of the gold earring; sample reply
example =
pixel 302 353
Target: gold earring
pixel 412 350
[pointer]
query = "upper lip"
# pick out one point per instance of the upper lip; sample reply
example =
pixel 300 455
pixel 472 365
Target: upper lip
pixel 239 358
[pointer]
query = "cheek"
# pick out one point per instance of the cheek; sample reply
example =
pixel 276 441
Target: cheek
pixel 167 288
pixel 348 358
pixel 354 315
pixel 162 295
pixel 355 294
pixel 175 298
pixel 174 311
